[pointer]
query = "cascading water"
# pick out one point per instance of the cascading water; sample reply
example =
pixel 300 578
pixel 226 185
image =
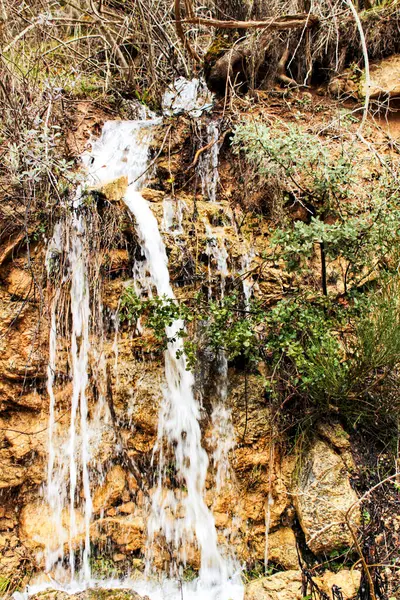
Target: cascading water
pixel 70 455
pixel 123 150
pixel 208 164
pixel 217 254
pixel 180 514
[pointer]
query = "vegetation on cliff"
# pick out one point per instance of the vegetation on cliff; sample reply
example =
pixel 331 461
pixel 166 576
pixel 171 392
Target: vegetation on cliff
pixel 304 180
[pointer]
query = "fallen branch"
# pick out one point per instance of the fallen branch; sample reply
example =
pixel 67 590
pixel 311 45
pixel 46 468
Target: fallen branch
pixel 288 22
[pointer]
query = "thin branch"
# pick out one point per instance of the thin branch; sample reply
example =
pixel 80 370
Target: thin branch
pixel 288 22
pixel 181 33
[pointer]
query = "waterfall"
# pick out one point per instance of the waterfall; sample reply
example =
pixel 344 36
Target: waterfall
pixel 79 354
pixel 55 474
pixel 208 164
pixel 69 458
pixel 217 253
pixel 123 151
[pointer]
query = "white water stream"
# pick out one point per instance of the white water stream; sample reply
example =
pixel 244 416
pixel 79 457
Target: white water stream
pixel 208 164
pixel 122 151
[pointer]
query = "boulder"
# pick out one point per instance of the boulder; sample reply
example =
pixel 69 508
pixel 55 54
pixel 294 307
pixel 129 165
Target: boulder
pixel 287 585
pixel 385 81
pixel 385 78
pixel 115 190
pixel 38 527
pixel 280 586
pixel 348 582
pixel 152 195
pixel 125 532
pixel 323 497
pixel 282 548
pixel 20 283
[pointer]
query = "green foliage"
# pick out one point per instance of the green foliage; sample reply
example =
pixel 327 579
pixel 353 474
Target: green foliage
pixel 103 568
pixel 305 167
pixel 226 327
pixel 5 583
pixel 331 355
pixel 364 243
pixel 356 228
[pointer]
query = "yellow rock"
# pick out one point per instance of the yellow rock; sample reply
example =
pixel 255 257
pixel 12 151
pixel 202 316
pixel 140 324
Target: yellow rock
pixel 111 490
pixel 282 548
pixel 115 190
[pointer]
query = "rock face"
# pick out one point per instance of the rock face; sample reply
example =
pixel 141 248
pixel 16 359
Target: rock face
pixel 385 78
pixel 258 489
pixel 324 496
pixel 281 586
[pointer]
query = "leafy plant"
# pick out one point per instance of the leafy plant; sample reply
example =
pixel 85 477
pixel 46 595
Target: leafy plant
pixel 356 229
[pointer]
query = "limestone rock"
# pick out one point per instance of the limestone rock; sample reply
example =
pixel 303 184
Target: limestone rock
pixel 115 190
pixel 287 585
pixel 348 582
pixel 385 81
pixel 22 458
pixel 38 527
pixel 111 490
pixel 324 495
pixel 385 78
pixel 282 548
pixel 152 195
pixel 20 283
pixel 127 532
pixel 344 84
pixel 280 586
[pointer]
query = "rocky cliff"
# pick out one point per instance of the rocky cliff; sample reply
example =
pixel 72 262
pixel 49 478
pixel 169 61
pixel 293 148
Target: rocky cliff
pixel 278 505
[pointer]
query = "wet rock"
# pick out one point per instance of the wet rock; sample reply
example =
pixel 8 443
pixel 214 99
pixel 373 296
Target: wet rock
pixel 127 532
pixel 111 490
pixel 323 497
pixel 152 195
pixel 22 458
pixel 38 529
pixel 115 190
pixel 281 586
pixel 127 508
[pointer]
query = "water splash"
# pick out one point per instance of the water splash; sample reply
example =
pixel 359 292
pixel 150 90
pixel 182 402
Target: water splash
pixel 187 96
pixel 208 164
pixel 172 216
pixel 217 254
